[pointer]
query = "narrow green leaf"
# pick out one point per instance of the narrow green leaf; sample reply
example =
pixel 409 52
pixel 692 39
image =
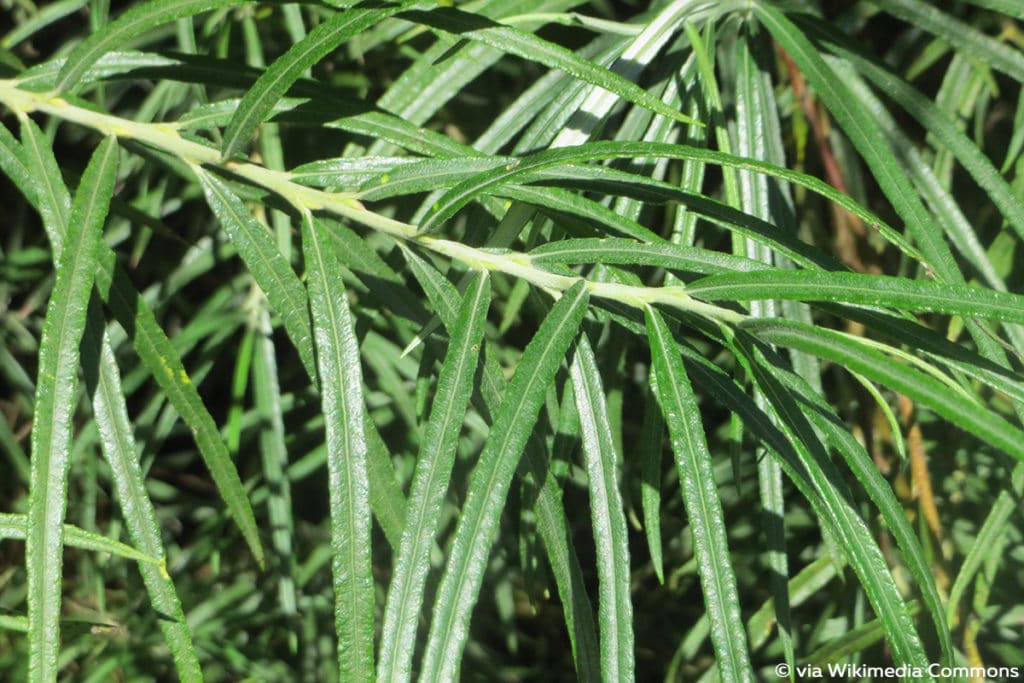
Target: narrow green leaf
pixel 267 264
pixel 875 365
pixel 386 497
pixel 864 133
pixel 44 17
pixel 430 480
pixel 806 584
pixel 492 475
pixel 758 134
pixel 931 18
pixel 13 527
pixel 104 383
pixel 309 109
pixel 56 397
pixel 821 415
pixel 349 171
pixel 558 202
pixel 14 623
pixel 103 380
pixel 164 363
pixel 551 519
pixel 279 76
pixel 553 525
pixel 650 456
pixel 53 198
pixel 617 251
pixel 716 212
pixel 381 358
pixel 868 290
pixel 823 485
pixel 239 388
pixel 700 496
pixel 341 396
pixel 16 456
pixel 43 77
pixel 460 195
pixel 274 456
pixel 853 642
pixel 384 126
pixel 528 46
pixel 427 175
pixel 905 332
pixel 615 606
pixel 127 26
pixel 15 167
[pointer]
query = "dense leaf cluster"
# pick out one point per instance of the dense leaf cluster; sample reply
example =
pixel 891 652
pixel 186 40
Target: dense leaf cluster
pixel 519 340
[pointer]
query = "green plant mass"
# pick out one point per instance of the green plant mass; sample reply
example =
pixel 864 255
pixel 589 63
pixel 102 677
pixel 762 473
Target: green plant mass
pixel 511 340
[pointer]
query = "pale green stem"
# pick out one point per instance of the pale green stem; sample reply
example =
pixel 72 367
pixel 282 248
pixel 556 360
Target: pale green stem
pixel 165 137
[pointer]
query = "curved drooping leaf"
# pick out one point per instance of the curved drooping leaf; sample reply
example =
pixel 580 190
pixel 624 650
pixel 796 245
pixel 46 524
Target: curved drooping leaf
pixel 121 450
pixel 465 192
pixel 875 365
pixel 127 26
pixel 289 67
pixel 821 483
pixel 818 413
pixel 855 288
pixel 164 364
pixel 931 18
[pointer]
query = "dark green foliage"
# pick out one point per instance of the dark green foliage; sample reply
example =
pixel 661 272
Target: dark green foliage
pixel 517 340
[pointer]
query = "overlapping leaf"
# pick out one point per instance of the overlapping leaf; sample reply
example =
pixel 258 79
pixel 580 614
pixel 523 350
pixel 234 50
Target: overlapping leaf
pixel 279 76
pixel 491 478
pixel 55 403
pixel 433 471
pixel 703 507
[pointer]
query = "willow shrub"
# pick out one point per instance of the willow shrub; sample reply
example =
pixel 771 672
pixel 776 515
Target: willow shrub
pixel 516 341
